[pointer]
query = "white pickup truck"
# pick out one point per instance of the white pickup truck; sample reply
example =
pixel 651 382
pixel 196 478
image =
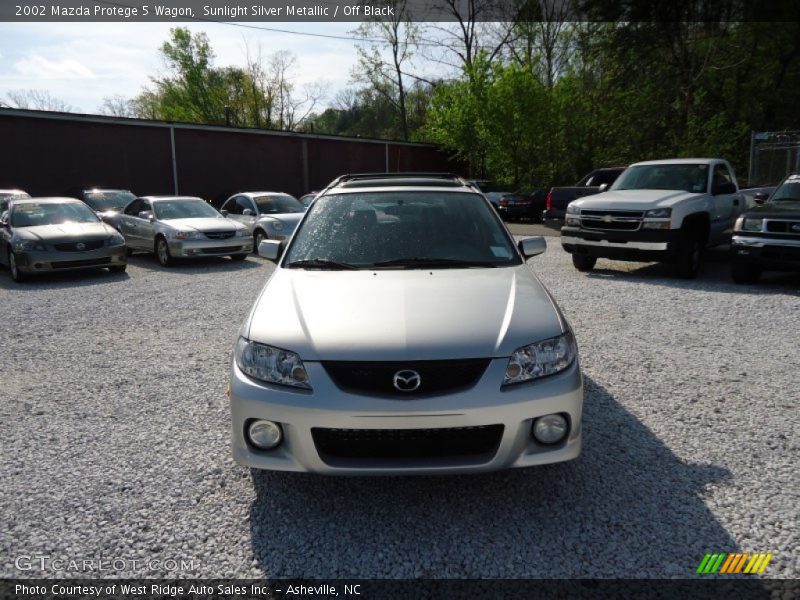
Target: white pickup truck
pixel 660 210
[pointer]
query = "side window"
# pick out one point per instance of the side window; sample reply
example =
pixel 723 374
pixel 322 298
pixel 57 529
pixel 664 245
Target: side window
pixel 230 206
pixel 242 203
pixel 134 208
pixel 721 175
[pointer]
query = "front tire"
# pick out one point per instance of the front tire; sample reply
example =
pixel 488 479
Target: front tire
pixel 258 237
pixel 583 263
pixel 16 274
pixel 745 273
pixel 162 252
pixel 688 265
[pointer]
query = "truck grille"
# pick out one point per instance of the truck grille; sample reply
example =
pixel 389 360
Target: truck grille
pixel 73 246
pixel 611 220
pixel 407 443
pixel 219 235
pixel 436 376
pixel 783 227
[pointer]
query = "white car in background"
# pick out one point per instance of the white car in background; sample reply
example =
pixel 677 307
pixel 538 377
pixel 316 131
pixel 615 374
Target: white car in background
pixel 267 215
pixel 7 196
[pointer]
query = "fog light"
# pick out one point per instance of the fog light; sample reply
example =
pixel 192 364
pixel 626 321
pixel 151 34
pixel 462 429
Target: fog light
pixel 264 435
pixel 550 429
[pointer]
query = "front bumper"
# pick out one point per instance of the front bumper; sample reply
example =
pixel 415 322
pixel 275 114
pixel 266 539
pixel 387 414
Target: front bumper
pixel 207 247
pixel 772 254
pixel 329 407
pixel 53 260
pixel 639 245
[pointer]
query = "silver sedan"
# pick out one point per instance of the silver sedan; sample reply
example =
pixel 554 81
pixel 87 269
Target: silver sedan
pixel 267 215
pixel 180 227
pixel 57 234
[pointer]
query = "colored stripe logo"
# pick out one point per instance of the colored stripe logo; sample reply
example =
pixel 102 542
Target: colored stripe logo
pixel 734 563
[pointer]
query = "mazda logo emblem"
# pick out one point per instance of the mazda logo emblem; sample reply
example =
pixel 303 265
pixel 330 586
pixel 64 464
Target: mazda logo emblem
pixel 80 245
pixel 407 381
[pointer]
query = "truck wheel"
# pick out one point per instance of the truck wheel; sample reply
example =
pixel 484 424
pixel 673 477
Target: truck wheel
pixel 688 265
pixel 583 263
pixel 742 272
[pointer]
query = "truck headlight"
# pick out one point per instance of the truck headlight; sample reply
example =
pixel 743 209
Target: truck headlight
pixel 659 213
pixel 270 364
pixel 572 209
pixel 750 224
pixel 541 359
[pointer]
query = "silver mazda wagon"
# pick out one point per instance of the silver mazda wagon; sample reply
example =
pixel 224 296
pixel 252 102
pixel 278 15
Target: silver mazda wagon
pixel 402 332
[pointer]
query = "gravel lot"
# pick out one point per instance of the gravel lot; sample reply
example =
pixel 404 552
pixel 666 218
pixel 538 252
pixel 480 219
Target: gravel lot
pixel 114 428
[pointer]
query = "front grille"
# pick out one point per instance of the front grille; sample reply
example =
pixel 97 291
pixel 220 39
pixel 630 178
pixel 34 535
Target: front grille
pixel 219 235
pixel 783 227
pixel 226 250
pixel 436 376
pixel 611 220
pixel 785 253
pixel 73 246
pixel 407 443
pixel 70 264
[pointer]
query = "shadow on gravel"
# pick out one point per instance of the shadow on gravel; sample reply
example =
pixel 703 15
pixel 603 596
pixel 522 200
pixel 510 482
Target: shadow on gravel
pixel 628 507
pixel 715 276
pixel 189 266
pixel 59 280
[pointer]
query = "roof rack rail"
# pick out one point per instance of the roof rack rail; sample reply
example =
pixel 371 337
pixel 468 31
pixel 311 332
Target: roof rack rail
pixel 397 175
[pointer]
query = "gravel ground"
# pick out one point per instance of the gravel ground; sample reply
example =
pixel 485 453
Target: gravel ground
pixel 114 429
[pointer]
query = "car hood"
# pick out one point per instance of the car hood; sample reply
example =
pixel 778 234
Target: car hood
pixel 420 314
pixel 779 210
pixel 67 231
pixel 633 199
pixel 204 224
pixel 290 219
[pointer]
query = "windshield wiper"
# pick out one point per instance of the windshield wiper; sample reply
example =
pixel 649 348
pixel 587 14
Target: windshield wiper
pixel 432 262
pixel 320 263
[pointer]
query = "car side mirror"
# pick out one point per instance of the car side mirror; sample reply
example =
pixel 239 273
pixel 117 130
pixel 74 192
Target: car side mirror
pixel 270 249
pixel 724 188
pixel 760 197
pixel 602 187
pixel 248 212
pixel 224 213
pixel 4 219
pixel 532 246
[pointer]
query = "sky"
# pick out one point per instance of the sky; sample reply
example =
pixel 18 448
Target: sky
pixel 82 63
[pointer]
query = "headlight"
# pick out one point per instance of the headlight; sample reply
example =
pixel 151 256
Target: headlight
pixel 749 224
pixel 270 364
pixel 242 233
pixel 573 210
pixel 29 245
pixel 540 359
pixel 115 240
pixel 573 221
pixel 659 213
pixel 185 235
pixel 277 225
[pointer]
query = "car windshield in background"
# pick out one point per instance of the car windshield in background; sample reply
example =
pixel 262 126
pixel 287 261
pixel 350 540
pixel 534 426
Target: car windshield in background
pixel 166 210
pixel 32 215
pixel 13 195
pixel 686 177
pixel 789 191
pixel 401 230
pixel 277 204
pixel 108 200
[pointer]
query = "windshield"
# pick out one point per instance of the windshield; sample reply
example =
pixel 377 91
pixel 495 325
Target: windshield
pixel 277 204
pixel 401 230
pixel 789 190
pixel 32 215
pixel 166 210
pixel 684 177
pixel 102 201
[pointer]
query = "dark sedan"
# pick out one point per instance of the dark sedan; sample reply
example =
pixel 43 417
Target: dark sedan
pixel 767 236
pixel 38 235
pixel 106 202
pixel 523 205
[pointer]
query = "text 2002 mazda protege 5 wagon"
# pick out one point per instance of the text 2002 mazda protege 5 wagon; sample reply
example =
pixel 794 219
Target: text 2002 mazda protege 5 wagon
pixel 402 332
